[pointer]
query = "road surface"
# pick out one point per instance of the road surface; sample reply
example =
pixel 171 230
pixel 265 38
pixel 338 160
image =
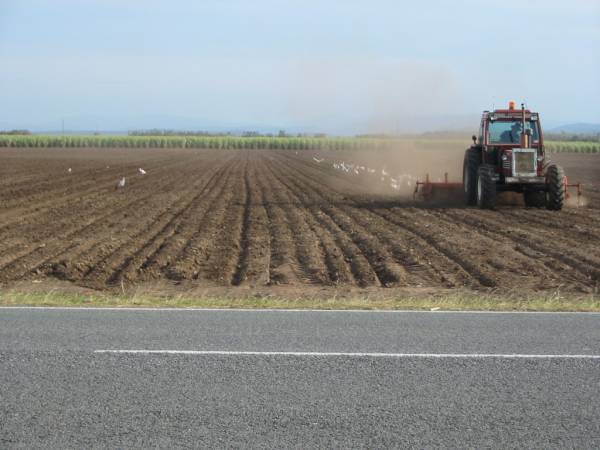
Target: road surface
pixel 93 378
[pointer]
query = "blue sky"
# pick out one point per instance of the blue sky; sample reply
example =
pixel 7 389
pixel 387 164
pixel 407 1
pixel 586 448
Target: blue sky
pixel 335 66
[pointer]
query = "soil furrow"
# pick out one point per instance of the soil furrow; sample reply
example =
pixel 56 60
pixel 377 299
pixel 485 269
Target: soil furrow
pixel 75 262
pixel 321 260
pixel 357 245
pixel 570 227
pixel 504 259
pixel 267 221
pixel 362 272
pixel 172 225
pixel 222 261
pixel 190 262
pixel 402 247
pixel 50 242
pixel 282 267
pixel 577 247
pixel 35 255
pixel 404 260
pixel 26 220
pixel 585 265
pixel 537 237
pixel 253 267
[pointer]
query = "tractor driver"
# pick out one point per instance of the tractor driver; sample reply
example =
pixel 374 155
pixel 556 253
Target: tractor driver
pixel 513 135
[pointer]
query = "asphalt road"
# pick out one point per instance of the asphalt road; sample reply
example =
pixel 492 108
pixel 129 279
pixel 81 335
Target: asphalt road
pixel 335 380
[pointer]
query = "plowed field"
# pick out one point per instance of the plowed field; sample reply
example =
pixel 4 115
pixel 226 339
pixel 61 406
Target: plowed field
pixel 258 219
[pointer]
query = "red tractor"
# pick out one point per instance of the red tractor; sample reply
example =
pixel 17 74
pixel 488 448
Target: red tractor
pixel 508 155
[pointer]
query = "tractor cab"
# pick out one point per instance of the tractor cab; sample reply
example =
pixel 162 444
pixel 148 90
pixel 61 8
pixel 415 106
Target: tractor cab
pixel 512 141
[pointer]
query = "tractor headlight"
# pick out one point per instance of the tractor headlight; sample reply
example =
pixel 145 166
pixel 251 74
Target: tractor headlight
pixel 504 157
pixel 540 158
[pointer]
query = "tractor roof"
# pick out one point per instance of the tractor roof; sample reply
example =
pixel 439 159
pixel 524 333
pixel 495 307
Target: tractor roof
pixel 499 114
pixel 510 113
pixel 515 112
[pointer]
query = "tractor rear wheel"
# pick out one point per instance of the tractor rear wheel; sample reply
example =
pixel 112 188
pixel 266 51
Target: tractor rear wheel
pixel 486 187
pixel 470 166
pixel 555 181
pixel 535 199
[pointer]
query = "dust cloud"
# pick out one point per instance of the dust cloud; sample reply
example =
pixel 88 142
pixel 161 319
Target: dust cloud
pixel 574 201
pixel 354 96
pixel 379 96
pixel 396 170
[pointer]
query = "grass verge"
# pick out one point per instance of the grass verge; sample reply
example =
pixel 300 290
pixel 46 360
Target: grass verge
pixel 464 302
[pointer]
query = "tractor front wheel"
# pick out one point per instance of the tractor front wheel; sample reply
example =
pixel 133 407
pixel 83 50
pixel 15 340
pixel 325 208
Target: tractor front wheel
pixel 486 187
pixel 555 181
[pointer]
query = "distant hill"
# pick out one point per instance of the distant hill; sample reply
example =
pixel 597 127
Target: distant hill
pixel 577 128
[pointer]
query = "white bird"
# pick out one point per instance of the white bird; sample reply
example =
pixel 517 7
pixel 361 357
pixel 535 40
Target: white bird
pixel 318 160
pixel 121 183
pixel 370 170
pixel 395 186
pixel 384 173
pixel 69 170
pixel 142 171
pixel 394 181
pixel 356 172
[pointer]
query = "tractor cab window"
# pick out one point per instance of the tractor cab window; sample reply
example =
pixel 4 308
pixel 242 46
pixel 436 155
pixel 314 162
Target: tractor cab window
pixel 509 131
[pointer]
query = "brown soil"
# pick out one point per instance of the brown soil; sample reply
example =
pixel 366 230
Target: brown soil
pixel 281 223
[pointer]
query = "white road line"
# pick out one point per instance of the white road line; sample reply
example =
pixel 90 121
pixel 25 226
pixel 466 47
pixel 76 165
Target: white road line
pixel 282 310
pixel 350 355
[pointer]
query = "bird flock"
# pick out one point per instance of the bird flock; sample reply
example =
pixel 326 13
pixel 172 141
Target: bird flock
pixel 403 180
pixel 397 182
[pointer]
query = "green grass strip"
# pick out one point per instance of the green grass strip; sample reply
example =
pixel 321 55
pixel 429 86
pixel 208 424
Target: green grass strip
pixel 462 302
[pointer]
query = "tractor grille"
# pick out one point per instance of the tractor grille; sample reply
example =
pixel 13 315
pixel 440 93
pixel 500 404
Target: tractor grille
pixel 524 162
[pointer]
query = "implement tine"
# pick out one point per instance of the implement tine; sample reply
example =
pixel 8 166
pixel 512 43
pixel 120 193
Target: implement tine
pixel 430 189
